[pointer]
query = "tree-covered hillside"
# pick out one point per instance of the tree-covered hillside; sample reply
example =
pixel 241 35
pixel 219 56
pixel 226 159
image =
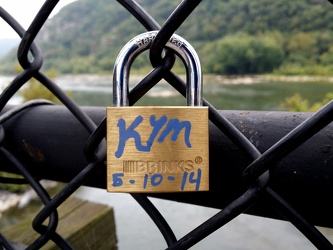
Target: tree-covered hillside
pixel 231 36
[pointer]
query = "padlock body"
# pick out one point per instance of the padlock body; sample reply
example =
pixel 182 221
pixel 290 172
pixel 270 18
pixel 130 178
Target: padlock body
pixel 157 149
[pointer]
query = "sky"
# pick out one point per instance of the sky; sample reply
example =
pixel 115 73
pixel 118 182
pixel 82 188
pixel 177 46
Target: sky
pixel 24 12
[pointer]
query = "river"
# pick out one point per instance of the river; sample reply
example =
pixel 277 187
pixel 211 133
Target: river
pixel 134 228
pixel 246 93
pixel 241 93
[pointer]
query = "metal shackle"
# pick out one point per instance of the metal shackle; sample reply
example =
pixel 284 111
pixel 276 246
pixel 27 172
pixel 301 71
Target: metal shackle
pixel 143 42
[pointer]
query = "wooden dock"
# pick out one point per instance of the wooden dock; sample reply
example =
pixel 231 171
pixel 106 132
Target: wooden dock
pixel 85 225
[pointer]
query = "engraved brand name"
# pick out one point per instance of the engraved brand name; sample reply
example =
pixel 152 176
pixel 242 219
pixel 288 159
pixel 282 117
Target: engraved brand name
pixel 157 166
pixel 172 126
pixel 149 39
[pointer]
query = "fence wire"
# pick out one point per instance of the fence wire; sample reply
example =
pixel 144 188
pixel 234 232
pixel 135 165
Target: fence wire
pixel 256 175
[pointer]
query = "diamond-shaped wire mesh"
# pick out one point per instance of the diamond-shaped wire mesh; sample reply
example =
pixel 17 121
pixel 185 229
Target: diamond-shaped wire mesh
pixel 259 177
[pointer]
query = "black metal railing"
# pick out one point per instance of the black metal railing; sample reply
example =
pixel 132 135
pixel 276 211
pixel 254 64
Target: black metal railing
pixel 255 177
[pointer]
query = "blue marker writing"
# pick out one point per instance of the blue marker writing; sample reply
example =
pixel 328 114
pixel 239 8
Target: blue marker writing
pixel 173 127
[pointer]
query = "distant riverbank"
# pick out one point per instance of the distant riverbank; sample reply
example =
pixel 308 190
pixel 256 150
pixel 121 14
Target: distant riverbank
pixel 251 79
pixel 236 79
pixel 220 79
pixel 248 92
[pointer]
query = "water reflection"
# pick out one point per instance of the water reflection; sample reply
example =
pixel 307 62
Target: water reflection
pixel 135 230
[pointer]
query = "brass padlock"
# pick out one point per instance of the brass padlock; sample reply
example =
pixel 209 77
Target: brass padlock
pixel 157 149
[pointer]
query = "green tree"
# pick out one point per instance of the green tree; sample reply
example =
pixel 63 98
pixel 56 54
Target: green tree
pixel 296 103
pixel 35 90
pixel 301 49
pixel 327 57
pixel 243 54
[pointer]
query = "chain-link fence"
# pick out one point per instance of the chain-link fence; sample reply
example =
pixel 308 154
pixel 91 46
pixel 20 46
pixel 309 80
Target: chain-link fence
pixel 259 174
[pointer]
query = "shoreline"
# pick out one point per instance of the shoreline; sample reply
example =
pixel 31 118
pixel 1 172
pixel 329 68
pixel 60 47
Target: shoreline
pixel 220 79
pixel 10 199
pixel 252 79
pixel 99 79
